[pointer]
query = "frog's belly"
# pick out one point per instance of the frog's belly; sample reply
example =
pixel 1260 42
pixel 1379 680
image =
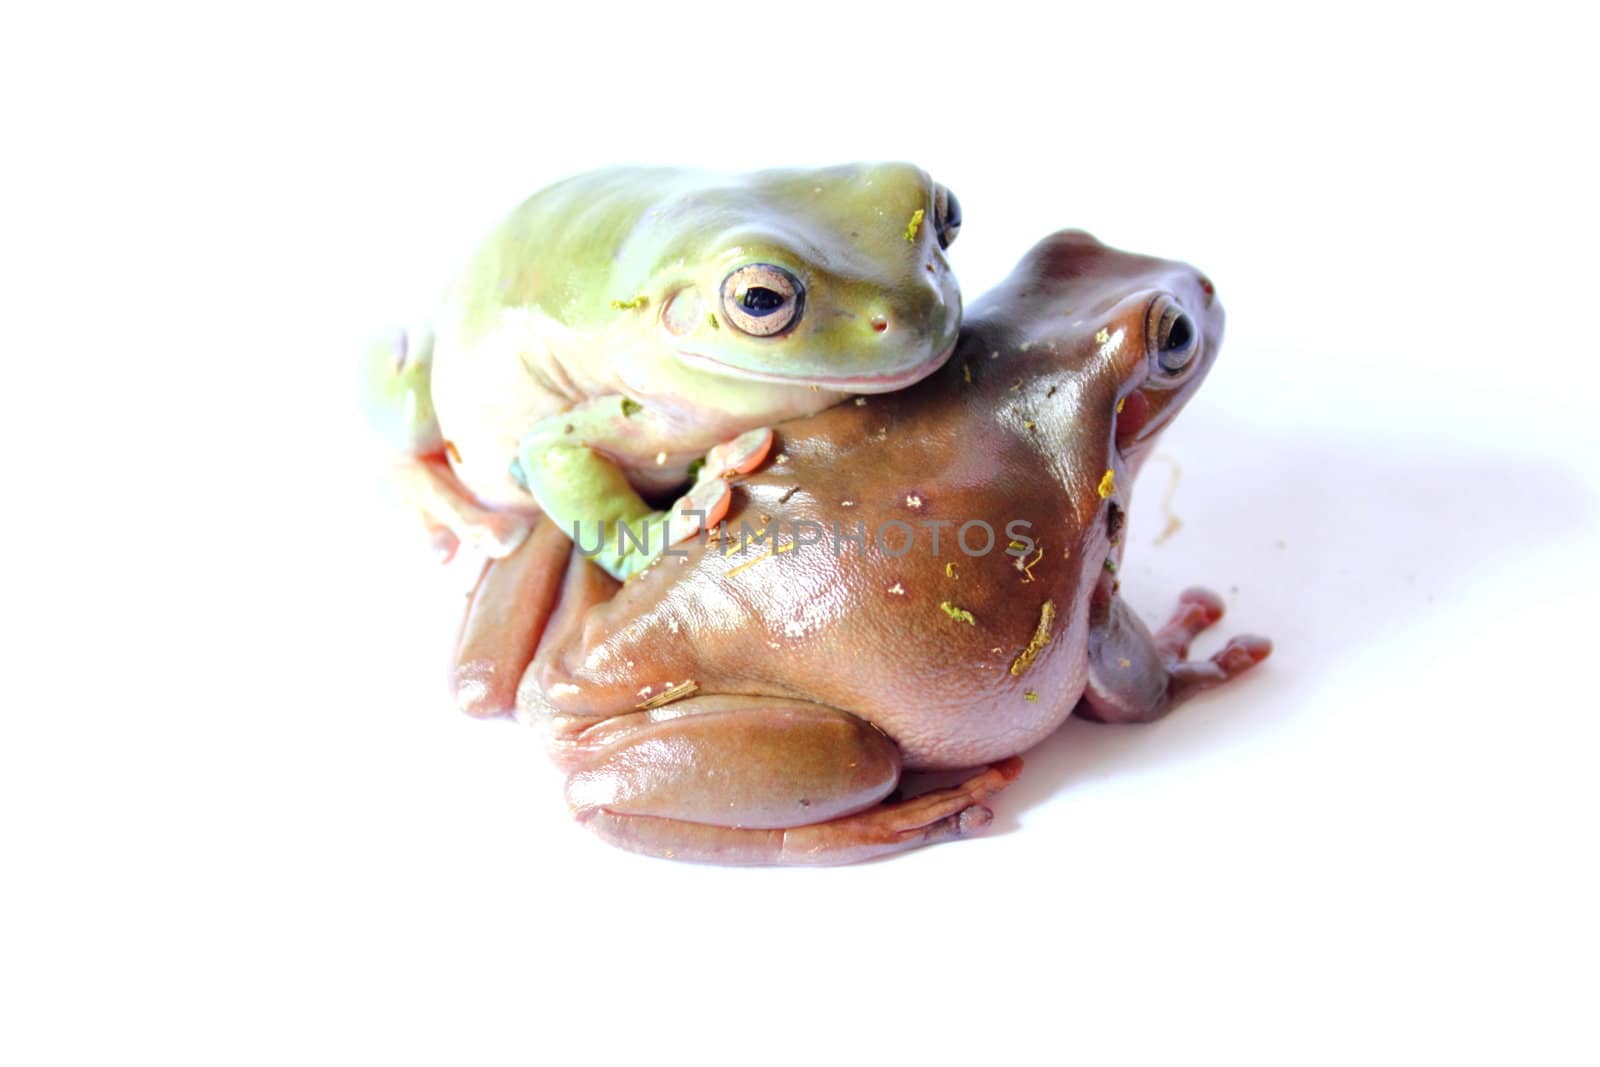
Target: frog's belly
pixel 962 711
pixel 488 394
pixel 981 731
pixel 483 426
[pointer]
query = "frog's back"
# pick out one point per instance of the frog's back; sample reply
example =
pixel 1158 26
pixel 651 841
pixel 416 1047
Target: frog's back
pixel 557 251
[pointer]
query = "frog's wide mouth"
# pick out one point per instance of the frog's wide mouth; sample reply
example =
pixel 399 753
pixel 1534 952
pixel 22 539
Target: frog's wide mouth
pixel 864 383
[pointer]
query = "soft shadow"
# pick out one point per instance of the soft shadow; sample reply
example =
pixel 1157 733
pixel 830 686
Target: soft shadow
pixel 1329 546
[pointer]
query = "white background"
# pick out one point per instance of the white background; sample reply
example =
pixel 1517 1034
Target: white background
pixel 241 823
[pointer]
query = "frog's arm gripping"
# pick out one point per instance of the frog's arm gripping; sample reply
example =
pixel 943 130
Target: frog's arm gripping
pixel 590 498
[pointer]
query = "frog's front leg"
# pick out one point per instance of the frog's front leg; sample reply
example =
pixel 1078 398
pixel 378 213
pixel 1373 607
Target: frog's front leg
pixel 567 463
pixel 1137 677
pixel 399 401
pixel 757 780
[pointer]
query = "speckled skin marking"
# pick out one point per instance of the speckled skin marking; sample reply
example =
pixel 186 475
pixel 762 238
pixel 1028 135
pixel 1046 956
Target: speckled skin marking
pixel 819 676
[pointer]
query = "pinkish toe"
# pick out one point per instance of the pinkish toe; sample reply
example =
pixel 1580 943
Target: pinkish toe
pixel 705 506
pixel 741 455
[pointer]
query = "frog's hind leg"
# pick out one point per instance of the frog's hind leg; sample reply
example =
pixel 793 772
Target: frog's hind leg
pixel 397 376
pixel 1137 677
pixel 450 513
pixel 754 780
pixel 507 615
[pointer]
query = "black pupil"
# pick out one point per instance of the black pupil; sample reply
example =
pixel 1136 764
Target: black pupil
pixel 759 300
pixel 952 212
pixel 1179 336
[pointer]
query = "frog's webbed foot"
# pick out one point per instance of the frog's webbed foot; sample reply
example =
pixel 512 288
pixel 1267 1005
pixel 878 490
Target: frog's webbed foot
pixel 1137 677
pixel 450 514
pixel 941 815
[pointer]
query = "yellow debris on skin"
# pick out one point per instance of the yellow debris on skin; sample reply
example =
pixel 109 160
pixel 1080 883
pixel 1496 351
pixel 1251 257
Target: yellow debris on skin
pixel 1040 638
pixel 452 451
pixel 630 305
pixel 958 614
pixel 966 374
pixel 1121 400
pixel 739 542
pixel 712 319
pixel 1026 566
pixel 950 570
pixel 768 554
pixel 915 224
pixel 668 695
pixel 1108 484
pixel 1102 337
pixel 1030 696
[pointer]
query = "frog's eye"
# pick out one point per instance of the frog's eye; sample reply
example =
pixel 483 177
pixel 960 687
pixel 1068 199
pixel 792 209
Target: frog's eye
pixel 946 215
pixel 762 300
pixel 1174 337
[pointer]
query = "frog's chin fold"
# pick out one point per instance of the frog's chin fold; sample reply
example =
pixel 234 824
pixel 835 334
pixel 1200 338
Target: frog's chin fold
pixel 866 383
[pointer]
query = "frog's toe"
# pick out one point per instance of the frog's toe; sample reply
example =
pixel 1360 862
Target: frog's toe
pixel 704 507
pixel 1198 610
pixel 496 534
pixel 442 541
pixel 741 455
pixel 1237 656
pixel 1242 653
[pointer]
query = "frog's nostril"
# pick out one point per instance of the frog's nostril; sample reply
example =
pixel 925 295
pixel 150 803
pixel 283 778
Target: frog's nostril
pixel 879 324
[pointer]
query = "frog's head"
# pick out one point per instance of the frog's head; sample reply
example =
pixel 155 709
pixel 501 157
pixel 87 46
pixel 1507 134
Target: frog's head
pixel 835 278
pixel 1137 335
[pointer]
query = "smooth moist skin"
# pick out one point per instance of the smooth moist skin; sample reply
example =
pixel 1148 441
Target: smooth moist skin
pixel 619 324
pixel 757 703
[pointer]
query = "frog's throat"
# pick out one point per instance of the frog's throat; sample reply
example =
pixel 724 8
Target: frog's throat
pixel 865 383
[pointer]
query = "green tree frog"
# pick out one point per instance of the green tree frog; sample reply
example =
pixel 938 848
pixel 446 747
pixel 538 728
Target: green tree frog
pixel 620 325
